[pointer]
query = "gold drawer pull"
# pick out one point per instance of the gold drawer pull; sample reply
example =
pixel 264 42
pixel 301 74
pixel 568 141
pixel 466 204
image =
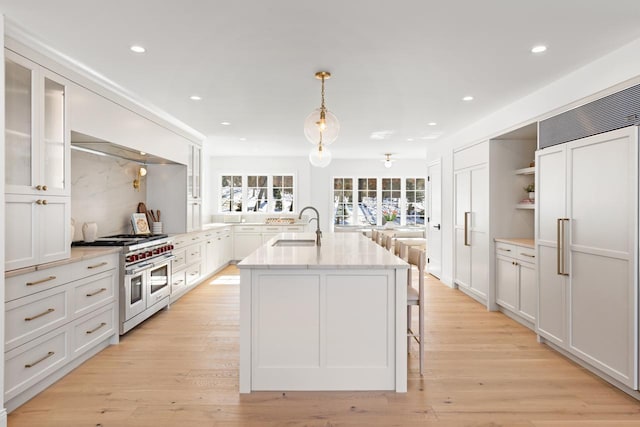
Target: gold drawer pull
pixel 178 282
pixel 530 256
pixel 96 292
pixel 101 325
pixel 44 313
pixel 503 249
pixel 37 282
pixel 97 265
pixel 31 365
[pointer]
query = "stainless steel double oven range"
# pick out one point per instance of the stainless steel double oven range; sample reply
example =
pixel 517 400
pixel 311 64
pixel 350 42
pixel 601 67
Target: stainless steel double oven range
pixel 145 274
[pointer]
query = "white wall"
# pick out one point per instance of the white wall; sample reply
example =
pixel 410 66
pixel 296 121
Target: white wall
pixel 3 411
pixel 314 185
pixel 615 71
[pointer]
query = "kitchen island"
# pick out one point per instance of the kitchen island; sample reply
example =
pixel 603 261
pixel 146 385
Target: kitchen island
pixel 329 317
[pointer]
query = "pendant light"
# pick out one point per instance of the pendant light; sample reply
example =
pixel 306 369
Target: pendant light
pixel 388 162
pixel 321 120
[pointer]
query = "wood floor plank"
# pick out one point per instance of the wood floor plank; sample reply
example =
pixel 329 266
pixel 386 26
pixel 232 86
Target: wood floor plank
pixel 180 368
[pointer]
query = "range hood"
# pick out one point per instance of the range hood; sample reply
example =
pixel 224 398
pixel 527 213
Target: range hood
pixel 90 144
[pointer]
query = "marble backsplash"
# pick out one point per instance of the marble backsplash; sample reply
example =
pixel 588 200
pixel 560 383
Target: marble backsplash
pixel 102 192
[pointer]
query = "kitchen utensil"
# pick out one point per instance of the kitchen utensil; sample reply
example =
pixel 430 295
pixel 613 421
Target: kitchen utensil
pixel 158 213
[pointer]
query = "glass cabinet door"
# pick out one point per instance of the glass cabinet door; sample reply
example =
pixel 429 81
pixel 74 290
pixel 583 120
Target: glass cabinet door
pixel 19 136
pixel 53 138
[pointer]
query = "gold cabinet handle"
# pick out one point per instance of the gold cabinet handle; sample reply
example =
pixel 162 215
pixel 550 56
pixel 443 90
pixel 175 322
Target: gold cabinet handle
pixel 44 313
pixel 92 294
pixel 32 364
pixel 101 325
pixel 466 228
pixel 503 249
pixel 38 202
pixel 91 267
pixel 558 250
pixel 564 245
pixel 530 256
pixel 37 282
pixel 44 188
pixel 38 187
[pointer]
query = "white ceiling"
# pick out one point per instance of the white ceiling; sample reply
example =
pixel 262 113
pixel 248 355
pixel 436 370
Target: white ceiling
pixel 396 65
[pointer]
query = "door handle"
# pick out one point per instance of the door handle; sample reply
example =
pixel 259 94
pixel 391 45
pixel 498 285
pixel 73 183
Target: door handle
pixel 564 247
pixel 466 228
pixel 437 226
pixel 561 244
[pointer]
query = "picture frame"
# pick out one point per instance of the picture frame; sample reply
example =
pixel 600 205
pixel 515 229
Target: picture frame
pixel 140 224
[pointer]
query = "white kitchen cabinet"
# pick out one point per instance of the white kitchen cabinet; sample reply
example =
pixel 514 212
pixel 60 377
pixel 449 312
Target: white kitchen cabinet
pixel 37 230
pixel 471 227
pixel 37 179
pixel 37 136
pixel 193 172
pixel 245 241
pixel 586 243
pixel 516 289
pixel 194 215
pixel 57 318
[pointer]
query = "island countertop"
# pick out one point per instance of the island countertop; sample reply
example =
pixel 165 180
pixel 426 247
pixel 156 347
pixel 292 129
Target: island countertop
pixel 338 250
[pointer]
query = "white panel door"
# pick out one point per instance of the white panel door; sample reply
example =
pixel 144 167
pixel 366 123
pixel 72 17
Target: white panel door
pixel 527 291
pixel 434 236
pixel 53 225
pixel 550 208
pixel 20 240
pixel 602 207
pixel 462 211
pixel 506 282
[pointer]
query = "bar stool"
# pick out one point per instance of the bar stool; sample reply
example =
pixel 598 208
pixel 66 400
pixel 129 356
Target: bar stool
pixel 374 235
pixel 387 243
pixel 417 258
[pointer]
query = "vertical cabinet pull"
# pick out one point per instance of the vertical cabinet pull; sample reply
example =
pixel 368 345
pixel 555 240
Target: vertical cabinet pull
pixel 561 247
pixel 466 228
pixel 558 246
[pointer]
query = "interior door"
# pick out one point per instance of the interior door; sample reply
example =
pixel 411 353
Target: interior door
pixel 434 232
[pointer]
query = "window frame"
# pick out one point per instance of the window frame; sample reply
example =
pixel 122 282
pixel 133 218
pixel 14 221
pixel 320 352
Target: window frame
pixel 271 200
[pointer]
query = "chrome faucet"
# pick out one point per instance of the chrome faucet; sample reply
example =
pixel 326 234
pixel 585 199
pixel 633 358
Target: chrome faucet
pixel 317 218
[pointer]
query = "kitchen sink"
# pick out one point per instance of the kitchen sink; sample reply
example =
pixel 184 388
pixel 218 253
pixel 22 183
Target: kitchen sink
pixel 294 242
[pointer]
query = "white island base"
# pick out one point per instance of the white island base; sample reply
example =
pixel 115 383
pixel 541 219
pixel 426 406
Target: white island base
pixel 323 318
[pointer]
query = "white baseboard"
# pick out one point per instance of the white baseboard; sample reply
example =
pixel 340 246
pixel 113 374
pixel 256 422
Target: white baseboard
pixel 3 417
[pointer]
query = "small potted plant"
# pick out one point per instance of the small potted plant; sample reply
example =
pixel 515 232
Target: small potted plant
pixel 531 190
pixel 389 215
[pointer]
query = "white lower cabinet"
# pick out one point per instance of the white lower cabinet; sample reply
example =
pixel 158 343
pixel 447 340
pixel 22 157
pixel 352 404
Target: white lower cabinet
pixel 248 238
pixel 55 319
pixel 516 289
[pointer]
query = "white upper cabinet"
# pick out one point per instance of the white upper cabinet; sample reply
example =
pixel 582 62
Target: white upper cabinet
pixel 36 132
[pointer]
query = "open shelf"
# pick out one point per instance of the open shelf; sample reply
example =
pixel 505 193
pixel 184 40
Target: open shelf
pixel 525 206
pixel 525 171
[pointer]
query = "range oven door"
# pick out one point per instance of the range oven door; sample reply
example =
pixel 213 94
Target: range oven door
pixel 159 285
pixel 135 288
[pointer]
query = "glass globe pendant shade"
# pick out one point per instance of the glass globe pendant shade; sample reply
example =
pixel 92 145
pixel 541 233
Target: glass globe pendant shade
pixel 387 164
pixel 320 156
pixel 317 123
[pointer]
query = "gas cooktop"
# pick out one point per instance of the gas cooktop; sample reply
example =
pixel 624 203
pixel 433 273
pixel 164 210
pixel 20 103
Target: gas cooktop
pixel 121 240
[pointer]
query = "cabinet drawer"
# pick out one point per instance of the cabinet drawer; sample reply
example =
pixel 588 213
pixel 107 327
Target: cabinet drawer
pixel 506 249
pixel 180 241
pixel 271 229
pixel 247 229
pixel 526 254
pixel 29 363
pixel 89 267
pixel 178 282
pixel 180 259
pixel 194 238
pixel 293 228
pixel 93 329
pixel 36 281
pixel 92 292
pixel 194 253
pixel 193 274
pixel 35 315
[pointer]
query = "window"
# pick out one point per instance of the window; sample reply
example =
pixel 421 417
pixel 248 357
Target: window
pixel 367 201
pixel 400 201
pixel 231 193
pixel 343 201
pixel 391 193
pixel 257 193
pixel 415 191
pixel 283 193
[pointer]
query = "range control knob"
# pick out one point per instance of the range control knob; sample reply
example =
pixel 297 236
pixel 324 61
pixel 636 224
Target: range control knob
pixel 149 253
pixel 142 255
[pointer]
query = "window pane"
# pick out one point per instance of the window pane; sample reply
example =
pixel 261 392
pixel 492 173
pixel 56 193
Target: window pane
pixel 230 194
pixel 395 183
pixel 237 181
pixel 420 183
pixel 343 202
pixel 277 181
pixel 288 180
pixel 411 184
pixel 283 193
pixel 337 184
pixel 415 213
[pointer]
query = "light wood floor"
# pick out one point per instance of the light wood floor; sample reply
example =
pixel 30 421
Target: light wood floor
pixel 180 368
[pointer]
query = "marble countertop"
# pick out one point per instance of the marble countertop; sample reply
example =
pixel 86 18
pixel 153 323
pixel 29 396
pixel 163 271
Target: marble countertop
pixel 518 241
pixel 78 253
pixel 338 250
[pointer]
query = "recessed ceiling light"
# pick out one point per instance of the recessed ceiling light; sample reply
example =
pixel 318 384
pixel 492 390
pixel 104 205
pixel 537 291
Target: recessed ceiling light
pixel 137 49
pixel 538 49
pixel 409 139
pixel 195 98
pixel 468 98
pixel 432 124
pixel 225 123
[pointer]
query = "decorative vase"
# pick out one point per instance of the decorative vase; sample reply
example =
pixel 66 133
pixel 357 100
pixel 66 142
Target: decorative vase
pixel 72 229
pixel 89 231
pixel 532 195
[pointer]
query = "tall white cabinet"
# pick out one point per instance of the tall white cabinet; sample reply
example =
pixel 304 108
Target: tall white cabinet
pixel 37 173
pixel 586 244
pixel 471 220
